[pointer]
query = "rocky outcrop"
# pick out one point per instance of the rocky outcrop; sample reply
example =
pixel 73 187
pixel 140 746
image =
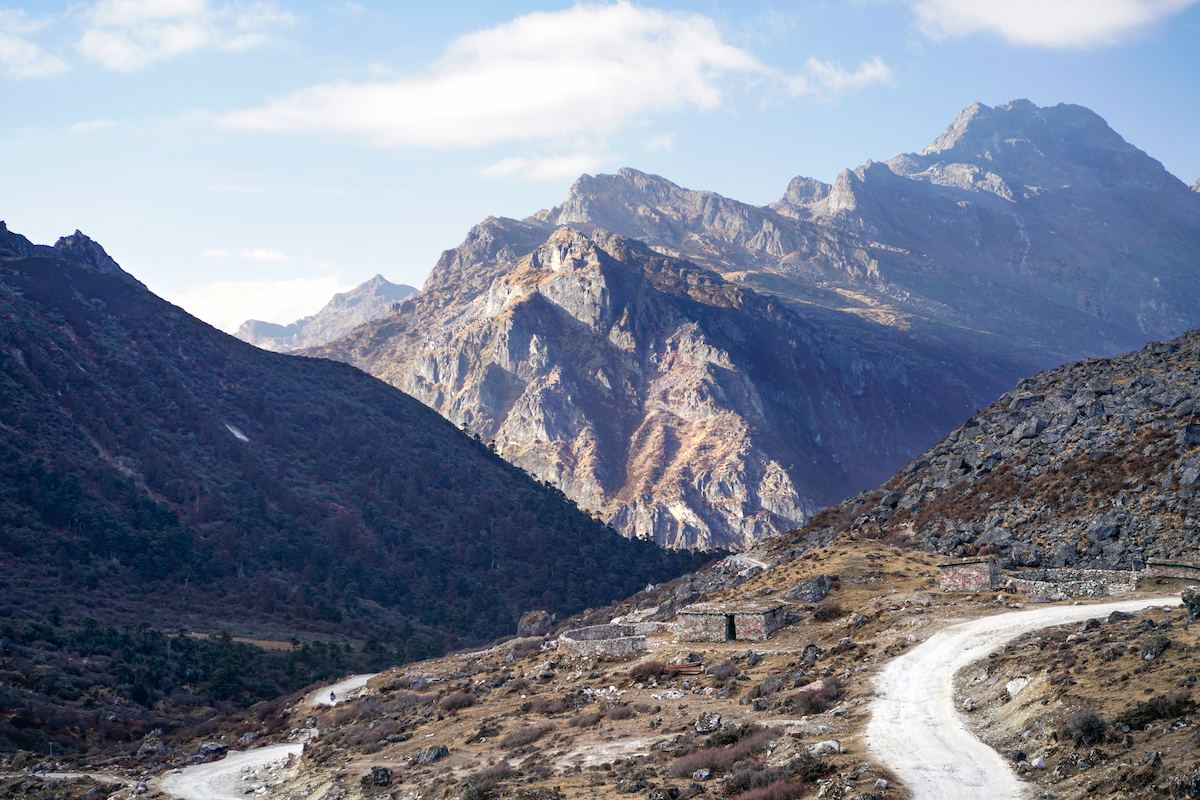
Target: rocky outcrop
pixel 1093 464
pixel 76 248
pixel 676 405
pixel 346 311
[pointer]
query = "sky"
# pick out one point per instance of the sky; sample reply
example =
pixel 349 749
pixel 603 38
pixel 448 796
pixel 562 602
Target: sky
pixel 249 159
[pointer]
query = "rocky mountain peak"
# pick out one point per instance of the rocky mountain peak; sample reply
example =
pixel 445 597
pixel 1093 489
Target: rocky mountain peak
pixel 347 310
pixel 1196 185
pixel 83 250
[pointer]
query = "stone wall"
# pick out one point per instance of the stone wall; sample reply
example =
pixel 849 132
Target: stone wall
pixel 1071 582
pixel 701 627
pixel 757 627
pixel 1171 569
pixel 970 576
pixel 601 642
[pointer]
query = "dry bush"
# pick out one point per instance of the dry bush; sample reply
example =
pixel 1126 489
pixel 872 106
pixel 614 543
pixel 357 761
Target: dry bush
pixel 1087 725
pixel 519 685
pixel 526 735
pixel 527 646
pixel 989 550
pixel 643 708
pixel 646 670
pixel 827 609
pixel 724 757
pixel 403 701
pixel 619 712
pixel 816 702
pixel 585 720
pixel 779 790
pixel 456 701
pixel 724 671
pixel 365 735
pixel 337 715
pixel 548 705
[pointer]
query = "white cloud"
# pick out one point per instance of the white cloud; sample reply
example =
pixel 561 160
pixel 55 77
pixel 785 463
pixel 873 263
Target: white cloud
pixel 586 70
pixel 227 304
pixel 261 254
pixel 130 34
pixel 20 57
pixel 1045 23
pixel 215 252
pixel 91 125
pixel 827 80
pixel 547 168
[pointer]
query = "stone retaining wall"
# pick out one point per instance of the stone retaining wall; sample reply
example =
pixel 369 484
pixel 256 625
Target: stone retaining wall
pixel 1071 582
pixel 1171 569
pixel 602 642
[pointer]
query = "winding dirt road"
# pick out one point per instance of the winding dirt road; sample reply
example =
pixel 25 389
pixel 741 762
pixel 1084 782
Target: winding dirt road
pixel 915 728
pixel 223 780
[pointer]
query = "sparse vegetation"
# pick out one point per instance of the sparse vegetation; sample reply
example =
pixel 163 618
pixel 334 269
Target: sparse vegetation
pixel 456 701
pixel 646 670
pixel 527 735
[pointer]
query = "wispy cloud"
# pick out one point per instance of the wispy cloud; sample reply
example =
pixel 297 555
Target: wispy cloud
pixel 215 252
pixel 128 35
pixel 587 70
pixel 1045 23
pixel 20 57
pixel 227 304
pixel 91 125
pixel 826 80
pixel 546 168
pixel 262 254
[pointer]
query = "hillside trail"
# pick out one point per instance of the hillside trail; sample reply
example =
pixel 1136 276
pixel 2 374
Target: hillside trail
pixel 915 727
pixel 231 777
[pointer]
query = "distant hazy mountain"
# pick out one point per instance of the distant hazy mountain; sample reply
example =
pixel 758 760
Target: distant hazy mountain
pixel 686 411
pixel 155 469
pixel 344 312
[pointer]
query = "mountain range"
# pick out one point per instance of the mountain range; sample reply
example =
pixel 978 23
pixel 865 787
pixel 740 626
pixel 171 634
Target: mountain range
pixel 347 310
pixel 154 469
pixel 700 371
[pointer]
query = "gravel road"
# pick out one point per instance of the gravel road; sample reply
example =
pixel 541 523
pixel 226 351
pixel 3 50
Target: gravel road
pixel 915 728
pixel 222 780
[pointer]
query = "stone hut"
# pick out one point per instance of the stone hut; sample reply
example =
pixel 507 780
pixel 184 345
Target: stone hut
pixel 969 574
pixel 1158 568
pixel 749 621
pixel 602 642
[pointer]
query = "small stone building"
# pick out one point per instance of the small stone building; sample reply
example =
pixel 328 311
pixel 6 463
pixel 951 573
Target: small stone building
pixel 750 621
pixel 1159 568
pixel 969 575
pixel 602 642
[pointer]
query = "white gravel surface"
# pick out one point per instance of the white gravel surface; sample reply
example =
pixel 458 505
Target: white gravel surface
pixel 222 780
pixel 342 690
pixel 915 728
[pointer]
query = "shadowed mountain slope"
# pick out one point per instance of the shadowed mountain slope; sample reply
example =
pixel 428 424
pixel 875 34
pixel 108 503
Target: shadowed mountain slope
pixel 153 468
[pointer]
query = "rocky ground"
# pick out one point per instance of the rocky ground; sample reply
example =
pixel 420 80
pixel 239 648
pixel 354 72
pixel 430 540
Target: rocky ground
pixel 515 720
pixel 1093 464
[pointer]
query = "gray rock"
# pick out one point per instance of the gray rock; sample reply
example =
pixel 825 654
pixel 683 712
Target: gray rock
pixel 1153 647
pixel 381 776
pixel 1191 600
pixel 432 754
pixel 535 623
pixel 1103 527
pixel 708 722
pixel 811 591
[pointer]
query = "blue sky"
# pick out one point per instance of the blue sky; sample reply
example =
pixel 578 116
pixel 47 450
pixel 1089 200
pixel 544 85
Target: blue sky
pixel 248 159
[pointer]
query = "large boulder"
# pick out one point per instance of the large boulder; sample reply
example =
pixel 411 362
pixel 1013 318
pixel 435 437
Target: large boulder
pixel 1191 601
pixel 536 623
pixel 813 590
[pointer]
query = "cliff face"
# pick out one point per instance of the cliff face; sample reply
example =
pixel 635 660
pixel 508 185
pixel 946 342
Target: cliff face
pixel 678 406
pixel 340 315
pixel 1021 238
pixel 1094 463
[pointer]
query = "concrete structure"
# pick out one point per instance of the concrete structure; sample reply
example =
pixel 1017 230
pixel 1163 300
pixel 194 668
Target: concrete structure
pixel 601 643
pixel 1158 568
pixel 969 575
pixel 750 621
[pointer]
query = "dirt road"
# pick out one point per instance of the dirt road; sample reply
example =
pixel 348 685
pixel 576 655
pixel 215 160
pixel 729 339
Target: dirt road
pixel 234 776
pixel 915 728
pixel 223 780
